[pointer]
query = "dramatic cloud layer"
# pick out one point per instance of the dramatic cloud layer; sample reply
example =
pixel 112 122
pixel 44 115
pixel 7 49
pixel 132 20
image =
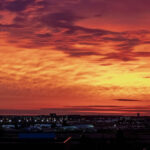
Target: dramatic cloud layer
pixel 74 53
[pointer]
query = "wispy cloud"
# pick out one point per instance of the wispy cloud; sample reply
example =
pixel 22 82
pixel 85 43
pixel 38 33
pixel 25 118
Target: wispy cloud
pixel 127 100
pixel 74 52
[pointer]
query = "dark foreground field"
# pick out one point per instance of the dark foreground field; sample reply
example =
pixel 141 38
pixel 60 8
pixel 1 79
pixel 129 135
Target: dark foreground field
pixel 102 140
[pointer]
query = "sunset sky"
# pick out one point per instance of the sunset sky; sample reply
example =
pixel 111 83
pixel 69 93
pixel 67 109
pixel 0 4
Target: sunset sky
pixel 75 57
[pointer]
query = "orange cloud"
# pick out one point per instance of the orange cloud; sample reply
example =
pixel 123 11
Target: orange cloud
pixel 53 55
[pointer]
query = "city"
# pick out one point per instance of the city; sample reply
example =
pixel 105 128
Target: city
pixel 75 74
pixel 76 131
